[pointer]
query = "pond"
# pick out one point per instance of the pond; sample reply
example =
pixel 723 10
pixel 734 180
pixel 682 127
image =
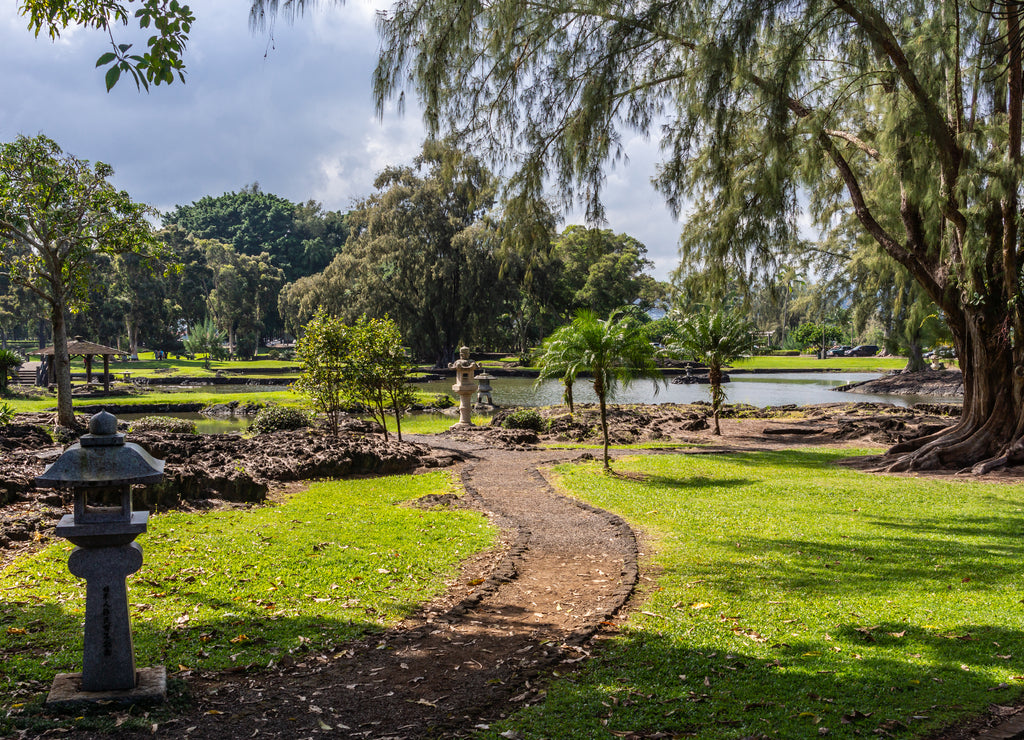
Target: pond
pixel 767 389
pixel 760 389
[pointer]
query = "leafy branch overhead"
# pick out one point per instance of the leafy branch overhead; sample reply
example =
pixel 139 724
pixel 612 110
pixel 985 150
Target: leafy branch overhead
pixel 159 64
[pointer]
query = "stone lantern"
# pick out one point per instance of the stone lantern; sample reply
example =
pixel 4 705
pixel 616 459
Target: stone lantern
pixel 465 386
pixel 100 470
pixel 483 395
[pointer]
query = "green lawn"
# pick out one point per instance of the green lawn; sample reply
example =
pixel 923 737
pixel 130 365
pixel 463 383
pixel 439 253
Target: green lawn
pixel 235 588
pixel 793 598
pixel 811 364
pixel 147 366
pixel 146 398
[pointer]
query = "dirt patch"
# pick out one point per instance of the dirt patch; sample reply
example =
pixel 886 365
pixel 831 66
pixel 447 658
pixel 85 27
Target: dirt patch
pixel 946 383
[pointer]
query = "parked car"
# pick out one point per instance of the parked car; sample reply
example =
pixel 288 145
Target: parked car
pixel 840 350
pixel 863 350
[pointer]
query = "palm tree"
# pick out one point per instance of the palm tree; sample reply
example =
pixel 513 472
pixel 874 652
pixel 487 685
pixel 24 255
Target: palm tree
pixel 615 351
pixel 557 360
pixel 712 338
pixel 204 337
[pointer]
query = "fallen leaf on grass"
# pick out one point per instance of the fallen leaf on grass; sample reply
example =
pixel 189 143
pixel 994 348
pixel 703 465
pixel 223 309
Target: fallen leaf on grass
pixel 854 716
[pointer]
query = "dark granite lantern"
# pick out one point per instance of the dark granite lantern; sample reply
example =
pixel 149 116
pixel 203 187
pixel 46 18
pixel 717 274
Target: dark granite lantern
pixel 100 470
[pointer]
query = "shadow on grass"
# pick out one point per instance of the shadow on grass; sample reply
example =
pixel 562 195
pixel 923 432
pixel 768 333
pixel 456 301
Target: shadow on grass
pixel 40 640
pixel 693 482
pixel 647 683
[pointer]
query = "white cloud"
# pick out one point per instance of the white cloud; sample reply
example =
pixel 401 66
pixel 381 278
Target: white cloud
pixel 291 109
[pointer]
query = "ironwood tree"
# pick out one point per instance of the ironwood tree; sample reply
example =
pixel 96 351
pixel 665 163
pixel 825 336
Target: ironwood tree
pixel 416 253
pixel 905 114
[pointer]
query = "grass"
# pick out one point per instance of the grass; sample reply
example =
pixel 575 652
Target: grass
pixel 218 394
pixel 794 598
pixel 148 398
pixel 147 366
pixel 428 423
pixel 242 587
pixel 811 364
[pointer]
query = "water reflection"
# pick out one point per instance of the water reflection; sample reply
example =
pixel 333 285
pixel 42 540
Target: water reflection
pixel 755 389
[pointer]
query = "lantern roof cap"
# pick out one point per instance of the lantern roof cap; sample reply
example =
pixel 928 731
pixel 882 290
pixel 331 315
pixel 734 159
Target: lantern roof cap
pixel 102 458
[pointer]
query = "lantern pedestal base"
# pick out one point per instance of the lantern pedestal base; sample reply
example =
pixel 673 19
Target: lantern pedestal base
pixel 150 688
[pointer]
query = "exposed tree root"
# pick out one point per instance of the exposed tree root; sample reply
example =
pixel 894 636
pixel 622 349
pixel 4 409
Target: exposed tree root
pixel 969 448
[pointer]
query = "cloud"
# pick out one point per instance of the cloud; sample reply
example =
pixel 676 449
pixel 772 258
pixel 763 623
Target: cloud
pixel 291 108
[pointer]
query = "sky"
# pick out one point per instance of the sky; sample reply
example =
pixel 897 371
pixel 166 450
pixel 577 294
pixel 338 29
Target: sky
pixel 291 110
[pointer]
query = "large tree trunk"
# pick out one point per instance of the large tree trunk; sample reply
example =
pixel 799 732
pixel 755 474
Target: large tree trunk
pixel 133 337
pixel 62 368
pixel 990 432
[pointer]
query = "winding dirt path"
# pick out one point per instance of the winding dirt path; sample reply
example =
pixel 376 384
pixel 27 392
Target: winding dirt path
pixel 565 568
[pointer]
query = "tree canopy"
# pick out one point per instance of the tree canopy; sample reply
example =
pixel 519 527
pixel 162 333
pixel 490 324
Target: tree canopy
pixel 301 238
pixel 159 64
pixel 419 252
pixel 58 216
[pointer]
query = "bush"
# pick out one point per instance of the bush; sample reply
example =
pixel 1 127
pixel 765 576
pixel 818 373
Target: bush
pixel 525 419
pixel 6 414
pixel 278 418
pixel 443 401
pixel 163 424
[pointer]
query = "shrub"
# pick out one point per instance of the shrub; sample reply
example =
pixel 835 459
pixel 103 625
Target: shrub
pixel 6 414
pixel 525 419
pixel 443 401
pixel 163 424
pixel 278 418
pixel 9 359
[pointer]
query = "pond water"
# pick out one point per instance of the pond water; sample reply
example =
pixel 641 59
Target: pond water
pixel 768 389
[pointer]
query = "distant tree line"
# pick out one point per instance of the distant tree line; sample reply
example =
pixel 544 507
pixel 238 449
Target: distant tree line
pixel 428 248
pixel 431 249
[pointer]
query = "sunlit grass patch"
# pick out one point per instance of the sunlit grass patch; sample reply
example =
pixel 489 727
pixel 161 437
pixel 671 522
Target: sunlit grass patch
pixel 241 587
pixel 811 364
pixel 793 596
pixel 429 423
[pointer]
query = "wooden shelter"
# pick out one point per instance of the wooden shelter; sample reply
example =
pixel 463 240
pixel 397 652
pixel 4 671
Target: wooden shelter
pixel 78 347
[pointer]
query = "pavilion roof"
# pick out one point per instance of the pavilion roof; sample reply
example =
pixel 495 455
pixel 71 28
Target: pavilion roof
pixel 79 346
